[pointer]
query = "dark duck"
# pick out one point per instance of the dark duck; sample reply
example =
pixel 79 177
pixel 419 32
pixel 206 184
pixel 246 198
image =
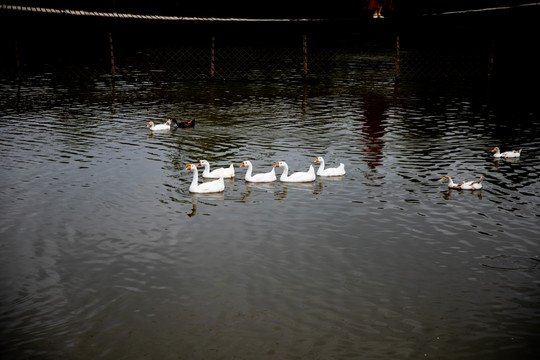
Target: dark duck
pixel 184 124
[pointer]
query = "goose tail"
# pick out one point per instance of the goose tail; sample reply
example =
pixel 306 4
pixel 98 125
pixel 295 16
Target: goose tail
pixel 479 180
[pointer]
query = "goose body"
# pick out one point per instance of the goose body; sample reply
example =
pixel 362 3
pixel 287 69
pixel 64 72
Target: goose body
pixel 464 185
pixel 507 154
pixel 216 173
pixel 263 177
pixel 205 187
pixel 306 176
pixel 336 171
pixel 159 127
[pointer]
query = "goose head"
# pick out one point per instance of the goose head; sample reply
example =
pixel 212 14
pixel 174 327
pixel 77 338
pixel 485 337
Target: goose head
pixel 447 177
pixel 151 123
pixel 245 163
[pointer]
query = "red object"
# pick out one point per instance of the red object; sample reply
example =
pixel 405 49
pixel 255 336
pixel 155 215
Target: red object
pixel 375 4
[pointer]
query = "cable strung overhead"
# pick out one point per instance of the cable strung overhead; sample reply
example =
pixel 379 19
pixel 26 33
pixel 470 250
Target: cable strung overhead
pixel 33 9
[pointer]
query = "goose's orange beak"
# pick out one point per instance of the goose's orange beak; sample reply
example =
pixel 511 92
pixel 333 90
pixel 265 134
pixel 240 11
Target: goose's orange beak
pixel 199 164
pixel 277 165
pixel 316 159
pixel 188 167
pixel 443 179
pixel 242 165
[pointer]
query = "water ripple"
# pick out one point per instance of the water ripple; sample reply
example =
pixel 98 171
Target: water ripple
pixel 101 236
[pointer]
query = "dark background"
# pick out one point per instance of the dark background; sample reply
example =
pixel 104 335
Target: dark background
pixel 511 31
pixel 274 9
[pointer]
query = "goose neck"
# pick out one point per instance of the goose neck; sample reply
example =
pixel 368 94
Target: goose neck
pixel 206 167
pixel 195 180
pixel 249 169
pixel 285 172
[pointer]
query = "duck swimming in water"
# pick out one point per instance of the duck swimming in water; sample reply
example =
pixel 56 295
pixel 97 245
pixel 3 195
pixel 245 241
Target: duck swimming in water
pixel 205 187
pixel 335 171
pixel 261 177
pixel 301 176
pixel 184 124
pixel 464 185
pixel 216 173
pixel 507 154
pixel 159 127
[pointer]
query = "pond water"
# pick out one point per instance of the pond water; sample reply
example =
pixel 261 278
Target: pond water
pixel 106 254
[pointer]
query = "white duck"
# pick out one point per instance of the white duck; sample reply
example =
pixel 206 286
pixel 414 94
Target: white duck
pixel 337 171
pixel 464 185
pixel 263 177
pixel 507 154
pixel 306 176
pixel 205 187
pixel 159 127
pixel 216 173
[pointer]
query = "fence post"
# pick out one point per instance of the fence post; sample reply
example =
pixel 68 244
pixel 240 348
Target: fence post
pixel 17 59
pixel 212 57
pixel 304 50
pixel 490 57
pixel 113 69
pixel 397 59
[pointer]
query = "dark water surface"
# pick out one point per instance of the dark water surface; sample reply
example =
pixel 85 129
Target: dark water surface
pixel 105 254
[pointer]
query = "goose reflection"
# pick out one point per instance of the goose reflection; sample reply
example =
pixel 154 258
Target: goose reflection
pixel 250 186
pixel 211 199
pixel 318 189
pixel 162 133
pixel 312 187
pixel 447 194
pixel 497 162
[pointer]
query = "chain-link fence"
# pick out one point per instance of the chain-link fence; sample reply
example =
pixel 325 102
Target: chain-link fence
pixel 205 52
pixel 233 63
pixel 243 62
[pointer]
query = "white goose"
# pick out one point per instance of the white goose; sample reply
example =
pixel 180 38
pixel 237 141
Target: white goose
pixel 306 176
pixel 263 177
pixel 205 187
pixel 337 171
pixel 507 154
pixel 217 173
pixel 464 185
pixel 159 127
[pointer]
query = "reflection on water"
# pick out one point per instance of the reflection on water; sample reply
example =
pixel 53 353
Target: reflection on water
pixel 106 254
pixel 375 108
pixel 448 194
pixel 209 199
